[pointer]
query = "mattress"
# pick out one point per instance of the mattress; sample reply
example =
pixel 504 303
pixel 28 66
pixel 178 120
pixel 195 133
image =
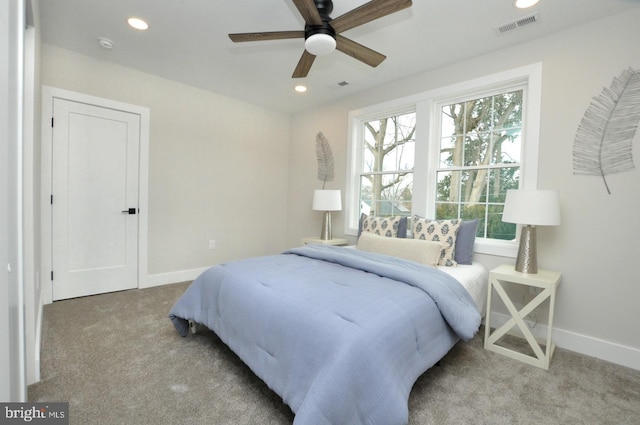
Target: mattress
pixel 475 279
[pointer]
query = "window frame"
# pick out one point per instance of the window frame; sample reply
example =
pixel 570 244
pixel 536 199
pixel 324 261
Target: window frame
pixel 426 106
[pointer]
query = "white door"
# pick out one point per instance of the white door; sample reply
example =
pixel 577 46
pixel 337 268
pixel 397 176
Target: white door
pixel 94 199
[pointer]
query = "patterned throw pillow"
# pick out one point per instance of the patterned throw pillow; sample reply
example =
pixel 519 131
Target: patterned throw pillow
pixel 443 231
pixel 382 226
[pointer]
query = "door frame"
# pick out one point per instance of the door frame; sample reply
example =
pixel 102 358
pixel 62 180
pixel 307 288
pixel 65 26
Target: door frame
pixel 48 95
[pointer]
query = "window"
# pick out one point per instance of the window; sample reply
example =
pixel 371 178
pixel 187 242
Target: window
pixel 386 172
pixel 452 152
pixel 480 151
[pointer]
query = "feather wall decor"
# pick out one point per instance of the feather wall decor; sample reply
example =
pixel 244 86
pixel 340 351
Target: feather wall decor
pixel 604 139
pixel 325 159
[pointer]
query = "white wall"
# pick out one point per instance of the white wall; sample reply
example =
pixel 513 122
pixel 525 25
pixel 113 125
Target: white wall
pixel 596 246
pixel 218 166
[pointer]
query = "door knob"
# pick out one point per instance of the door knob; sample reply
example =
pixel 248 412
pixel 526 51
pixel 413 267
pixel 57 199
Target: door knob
pixel 130 211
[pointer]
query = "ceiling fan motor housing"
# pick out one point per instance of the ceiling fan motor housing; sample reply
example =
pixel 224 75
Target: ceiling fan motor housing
pixel 325 7
pixel 325 28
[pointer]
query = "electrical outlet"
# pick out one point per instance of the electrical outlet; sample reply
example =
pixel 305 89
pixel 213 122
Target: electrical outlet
pixel 212 244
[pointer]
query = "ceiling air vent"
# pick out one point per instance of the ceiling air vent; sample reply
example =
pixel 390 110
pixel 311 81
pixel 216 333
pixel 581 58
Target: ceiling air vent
pixel 514 25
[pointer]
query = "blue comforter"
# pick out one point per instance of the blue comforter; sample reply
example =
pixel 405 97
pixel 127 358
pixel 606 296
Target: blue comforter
pixel 340 334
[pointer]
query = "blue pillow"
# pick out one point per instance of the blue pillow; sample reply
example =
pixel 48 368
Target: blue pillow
pixel 465 239
pixel 363 216
pixel 402 227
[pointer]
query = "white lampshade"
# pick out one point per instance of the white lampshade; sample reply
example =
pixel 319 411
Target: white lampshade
pixel 320 44
pixel 327 200
pixel 532 207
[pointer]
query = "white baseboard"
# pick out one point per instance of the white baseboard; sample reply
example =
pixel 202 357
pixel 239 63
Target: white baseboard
pixel 160 279
pixel 583 344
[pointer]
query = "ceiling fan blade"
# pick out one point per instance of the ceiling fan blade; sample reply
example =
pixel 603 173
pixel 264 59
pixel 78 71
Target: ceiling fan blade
pixel 260 36
pixel 358 51
pixel 304 65
pixel 368 12
pixel 309 11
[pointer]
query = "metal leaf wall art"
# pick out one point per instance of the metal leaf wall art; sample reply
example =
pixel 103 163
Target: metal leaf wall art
pixel 325 159
pixel 604 139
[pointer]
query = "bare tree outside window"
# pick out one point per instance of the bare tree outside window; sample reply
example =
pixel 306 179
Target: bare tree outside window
pixel 386 181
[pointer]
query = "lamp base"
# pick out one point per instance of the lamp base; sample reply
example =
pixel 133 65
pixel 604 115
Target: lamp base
pixel 527 261
pixel 325 234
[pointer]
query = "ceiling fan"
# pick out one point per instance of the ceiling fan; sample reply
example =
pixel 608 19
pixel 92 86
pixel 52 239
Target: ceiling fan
pixel 322 33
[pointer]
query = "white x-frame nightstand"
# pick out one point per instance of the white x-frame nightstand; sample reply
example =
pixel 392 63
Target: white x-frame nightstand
pixel 548 281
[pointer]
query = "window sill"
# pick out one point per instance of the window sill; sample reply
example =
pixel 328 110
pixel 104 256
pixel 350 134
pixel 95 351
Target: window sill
pixel 498 248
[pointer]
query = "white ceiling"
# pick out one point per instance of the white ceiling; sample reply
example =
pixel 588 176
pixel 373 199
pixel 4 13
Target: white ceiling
pixel 187 41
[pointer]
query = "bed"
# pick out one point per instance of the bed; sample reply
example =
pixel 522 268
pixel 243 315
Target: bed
pixel 340 334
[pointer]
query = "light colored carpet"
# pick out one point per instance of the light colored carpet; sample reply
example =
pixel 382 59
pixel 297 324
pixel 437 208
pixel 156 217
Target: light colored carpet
pixel 117 359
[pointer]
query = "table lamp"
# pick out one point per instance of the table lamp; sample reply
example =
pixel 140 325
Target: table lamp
pixel 530 208
pixel 327 201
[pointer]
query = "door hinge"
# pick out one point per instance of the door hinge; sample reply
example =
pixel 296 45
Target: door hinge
pixel 51 121
pixel 51 200
pixel 51 274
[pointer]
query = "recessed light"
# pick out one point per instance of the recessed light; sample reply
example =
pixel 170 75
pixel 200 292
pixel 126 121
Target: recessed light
pixel 137 23
pixel 523 4
pixel 300 89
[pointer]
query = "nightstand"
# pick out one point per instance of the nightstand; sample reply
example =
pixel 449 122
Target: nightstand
pixel 548 282
pixel 334 241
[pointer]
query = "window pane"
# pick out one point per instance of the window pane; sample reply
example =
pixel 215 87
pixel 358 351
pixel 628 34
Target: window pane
pixel 508 110
pixel 447 179
pixel 446 211
pixel 389 143
pixel 447 149
pixel 399 158
pixel 496 228
pixel 474 185
pixel 450 123
pixel 480 115
pixel 473 211
pixel 365 194
pixel 508 146
pixel 386 194
pixel 475 149
pixel 501 180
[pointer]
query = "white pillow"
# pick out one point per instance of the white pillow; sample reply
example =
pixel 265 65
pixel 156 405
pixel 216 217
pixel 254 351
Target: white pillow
pixel 418 250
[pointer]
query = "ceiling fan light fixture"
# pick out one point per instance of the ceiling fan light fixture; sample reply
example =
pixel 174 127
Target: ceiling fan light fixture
pixel 320 44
